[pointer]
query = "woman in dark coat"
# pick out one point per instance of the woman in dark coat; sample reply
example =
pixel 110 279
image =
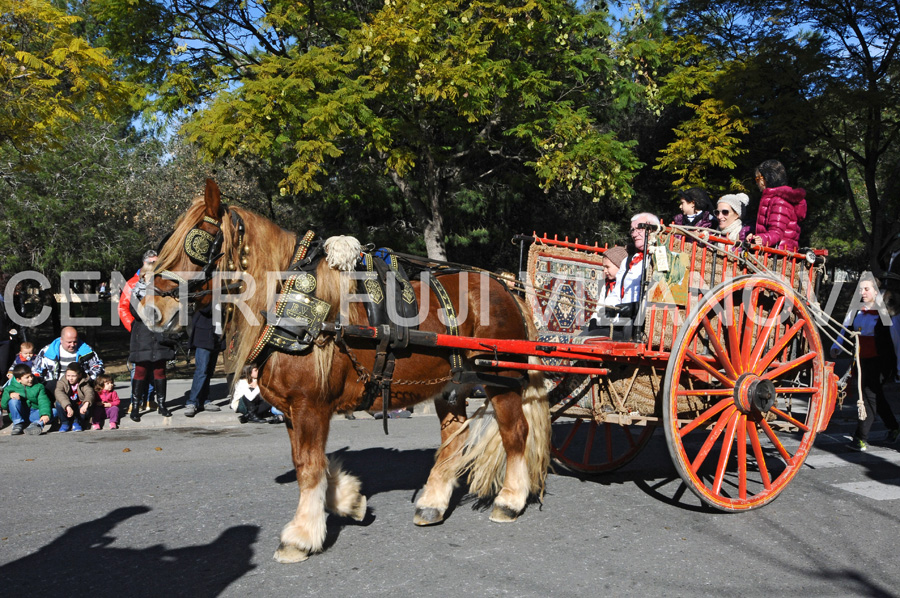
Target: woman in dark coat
pixel 149 351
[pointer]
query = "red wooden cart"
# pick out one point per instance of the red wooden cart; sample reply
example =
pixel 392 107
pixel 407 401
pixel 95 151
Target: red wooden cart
pixel 725 356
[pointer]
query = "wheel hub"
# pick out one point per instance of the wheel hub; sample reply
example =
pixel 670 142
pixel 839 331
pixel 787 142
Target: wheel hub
pixel 752 393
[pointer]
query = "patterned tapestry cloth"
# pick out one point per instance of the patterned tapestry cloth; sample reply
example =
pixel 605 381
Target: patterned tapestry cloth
pixel 566 287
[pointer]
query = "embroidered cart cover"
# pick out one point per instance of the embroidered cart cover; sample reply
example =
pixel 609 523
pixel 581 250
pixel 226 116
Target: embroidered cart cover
pixel 567 287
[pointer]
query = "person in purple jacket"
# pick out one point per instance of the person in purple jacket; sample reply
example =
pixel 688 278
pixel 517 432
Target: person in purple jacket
pixel 696 209
pixel 781 209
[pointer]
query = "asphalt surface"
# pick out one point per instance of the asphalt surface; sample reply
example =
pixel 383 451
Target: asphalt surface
pixel 194 507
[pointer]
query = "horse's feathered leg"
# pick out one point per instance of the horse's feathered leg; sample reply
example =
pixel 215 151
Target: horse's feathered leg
pixel 305 533
pixel 435 498
pixel 508 452
pixel 343 496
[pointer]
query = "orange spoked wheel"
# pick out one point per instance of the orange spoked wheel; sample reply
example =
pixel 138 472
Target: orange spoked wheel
pixel 582 444
pixel 744 388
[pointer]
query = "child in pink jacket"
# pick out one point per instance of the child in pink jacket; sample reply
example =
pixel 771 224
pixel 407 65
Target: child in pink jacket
pixel 781 209
pixel 108 405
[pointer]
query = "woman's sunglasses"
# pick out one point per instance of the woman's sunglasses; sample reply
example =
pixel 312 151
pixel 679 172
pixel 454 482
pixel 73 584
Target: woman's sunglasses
pixel 723 212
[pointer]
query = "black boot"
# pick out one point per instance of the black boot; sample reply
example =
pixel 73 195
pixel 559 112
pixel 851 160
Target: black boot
pixel 160 385
pixel 139 390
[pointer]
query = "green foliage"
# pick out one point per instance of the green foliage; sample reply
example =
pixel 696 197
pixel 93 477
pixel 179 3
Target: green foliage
pixel 49 76
pixel 711 139
pixel 442 97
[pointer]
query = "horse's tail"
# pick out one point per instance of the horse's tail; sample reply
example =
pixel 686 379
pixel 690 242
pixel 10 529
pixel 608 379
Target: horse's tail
pixel 341 255
pixel 484 456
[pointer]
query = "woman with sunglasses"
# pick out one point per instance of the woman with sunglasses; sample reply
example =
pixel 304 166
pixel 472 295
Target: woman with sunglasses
pixel 729 211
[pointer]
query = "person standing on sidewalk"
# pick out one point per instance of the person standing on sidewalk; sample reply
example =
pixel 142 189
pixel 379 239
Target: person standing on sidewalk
pixel 876 361
pixel 149 351
pixel 206 342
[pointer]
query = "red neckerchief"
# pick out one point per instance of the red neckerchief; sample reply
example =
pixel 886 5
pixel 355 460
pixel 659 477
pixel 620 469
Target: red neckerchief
pixel 636 259
pixel 609 285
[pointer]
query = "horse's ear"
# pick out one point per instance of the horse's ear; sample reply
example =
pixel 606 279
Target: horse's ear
pixel 213 199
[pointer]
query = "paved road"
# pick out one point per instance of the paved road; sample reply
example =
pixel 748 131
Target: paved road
pixel 195 509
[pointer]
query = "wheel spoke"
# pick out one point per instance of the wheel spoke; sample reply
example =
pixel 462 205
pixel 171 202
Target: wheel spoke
pixel 568 440
pixel 711 370
pixel 589 443
pixel 758 453
pixel 742 456
pixel 609 442
pixel 721 353
pixel 703 417
pixel 747 329
pixel 734 343
pixel 780 344
pixel 790 419
pixel 776 441
pixel 725 453
pixel 788 366
pixel 766 330
pixel 705 392
pixel 711 439
pixel 629 436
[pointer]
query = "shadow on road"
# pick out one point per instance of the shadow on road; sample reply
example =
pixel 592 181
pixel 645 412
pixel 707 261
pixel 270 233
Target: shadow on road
pixel 387 470
pixel 83 561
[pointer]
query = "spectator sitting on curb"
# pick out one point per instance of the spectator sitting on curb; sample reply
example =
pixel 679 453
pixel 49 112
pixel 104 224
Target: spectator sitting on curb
pixel 27 401
pixel 75 398
pixel 25 356
pixel 107 406
pixel 52 360
pixel 248 402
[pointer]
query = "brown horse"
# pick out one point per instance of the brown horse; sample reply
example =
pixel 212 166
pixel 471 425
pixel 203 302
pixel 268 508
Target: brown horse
pixel 507 456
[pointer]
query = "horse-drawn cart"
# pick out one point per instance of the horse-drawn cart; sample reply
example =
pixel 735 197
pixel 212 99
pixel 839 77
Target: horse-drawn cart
pixel 723 352
pixel 725 355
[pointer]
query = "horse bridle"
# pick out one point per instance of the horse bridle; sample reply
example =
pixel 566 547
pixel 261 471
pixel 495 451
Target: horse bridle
pixel 204 249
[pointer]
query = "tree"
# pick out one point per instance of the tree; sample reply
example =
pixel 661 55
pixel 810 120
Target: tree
pixel 440 104
pixel 49 76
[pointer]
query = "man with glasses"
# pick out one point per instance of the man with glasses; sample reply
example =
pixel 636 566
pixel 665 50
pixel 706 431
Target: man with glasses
pixel 629 279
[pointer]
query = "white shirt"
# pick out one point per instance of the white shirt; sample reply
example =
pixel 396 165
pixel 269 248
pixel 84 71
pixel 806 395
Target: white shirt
pixel 65 358
pixel 628 280
pixel 242 390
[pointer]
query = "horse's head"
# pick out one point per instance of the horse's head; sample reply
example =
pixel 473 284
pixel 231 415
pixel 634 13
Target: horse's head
pixel 187 263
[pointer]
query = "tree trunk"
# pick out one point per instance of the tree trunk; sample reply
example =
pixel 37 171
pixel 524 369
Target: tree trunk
pixel 429 211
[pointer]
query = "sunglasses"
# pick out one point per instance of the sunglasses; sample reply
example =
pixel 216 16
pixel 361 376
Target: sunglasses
pixel 723 212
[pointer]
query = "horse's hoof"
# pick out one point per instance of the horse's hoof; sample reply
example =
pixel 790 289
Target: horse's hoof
pixel 358 512
pixel 290 554
pixel 428 516
pixel 503 514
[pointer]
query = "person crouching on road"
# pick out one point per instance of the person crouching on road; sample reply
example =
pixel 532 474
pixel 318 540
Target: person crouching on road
pixel 75 398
